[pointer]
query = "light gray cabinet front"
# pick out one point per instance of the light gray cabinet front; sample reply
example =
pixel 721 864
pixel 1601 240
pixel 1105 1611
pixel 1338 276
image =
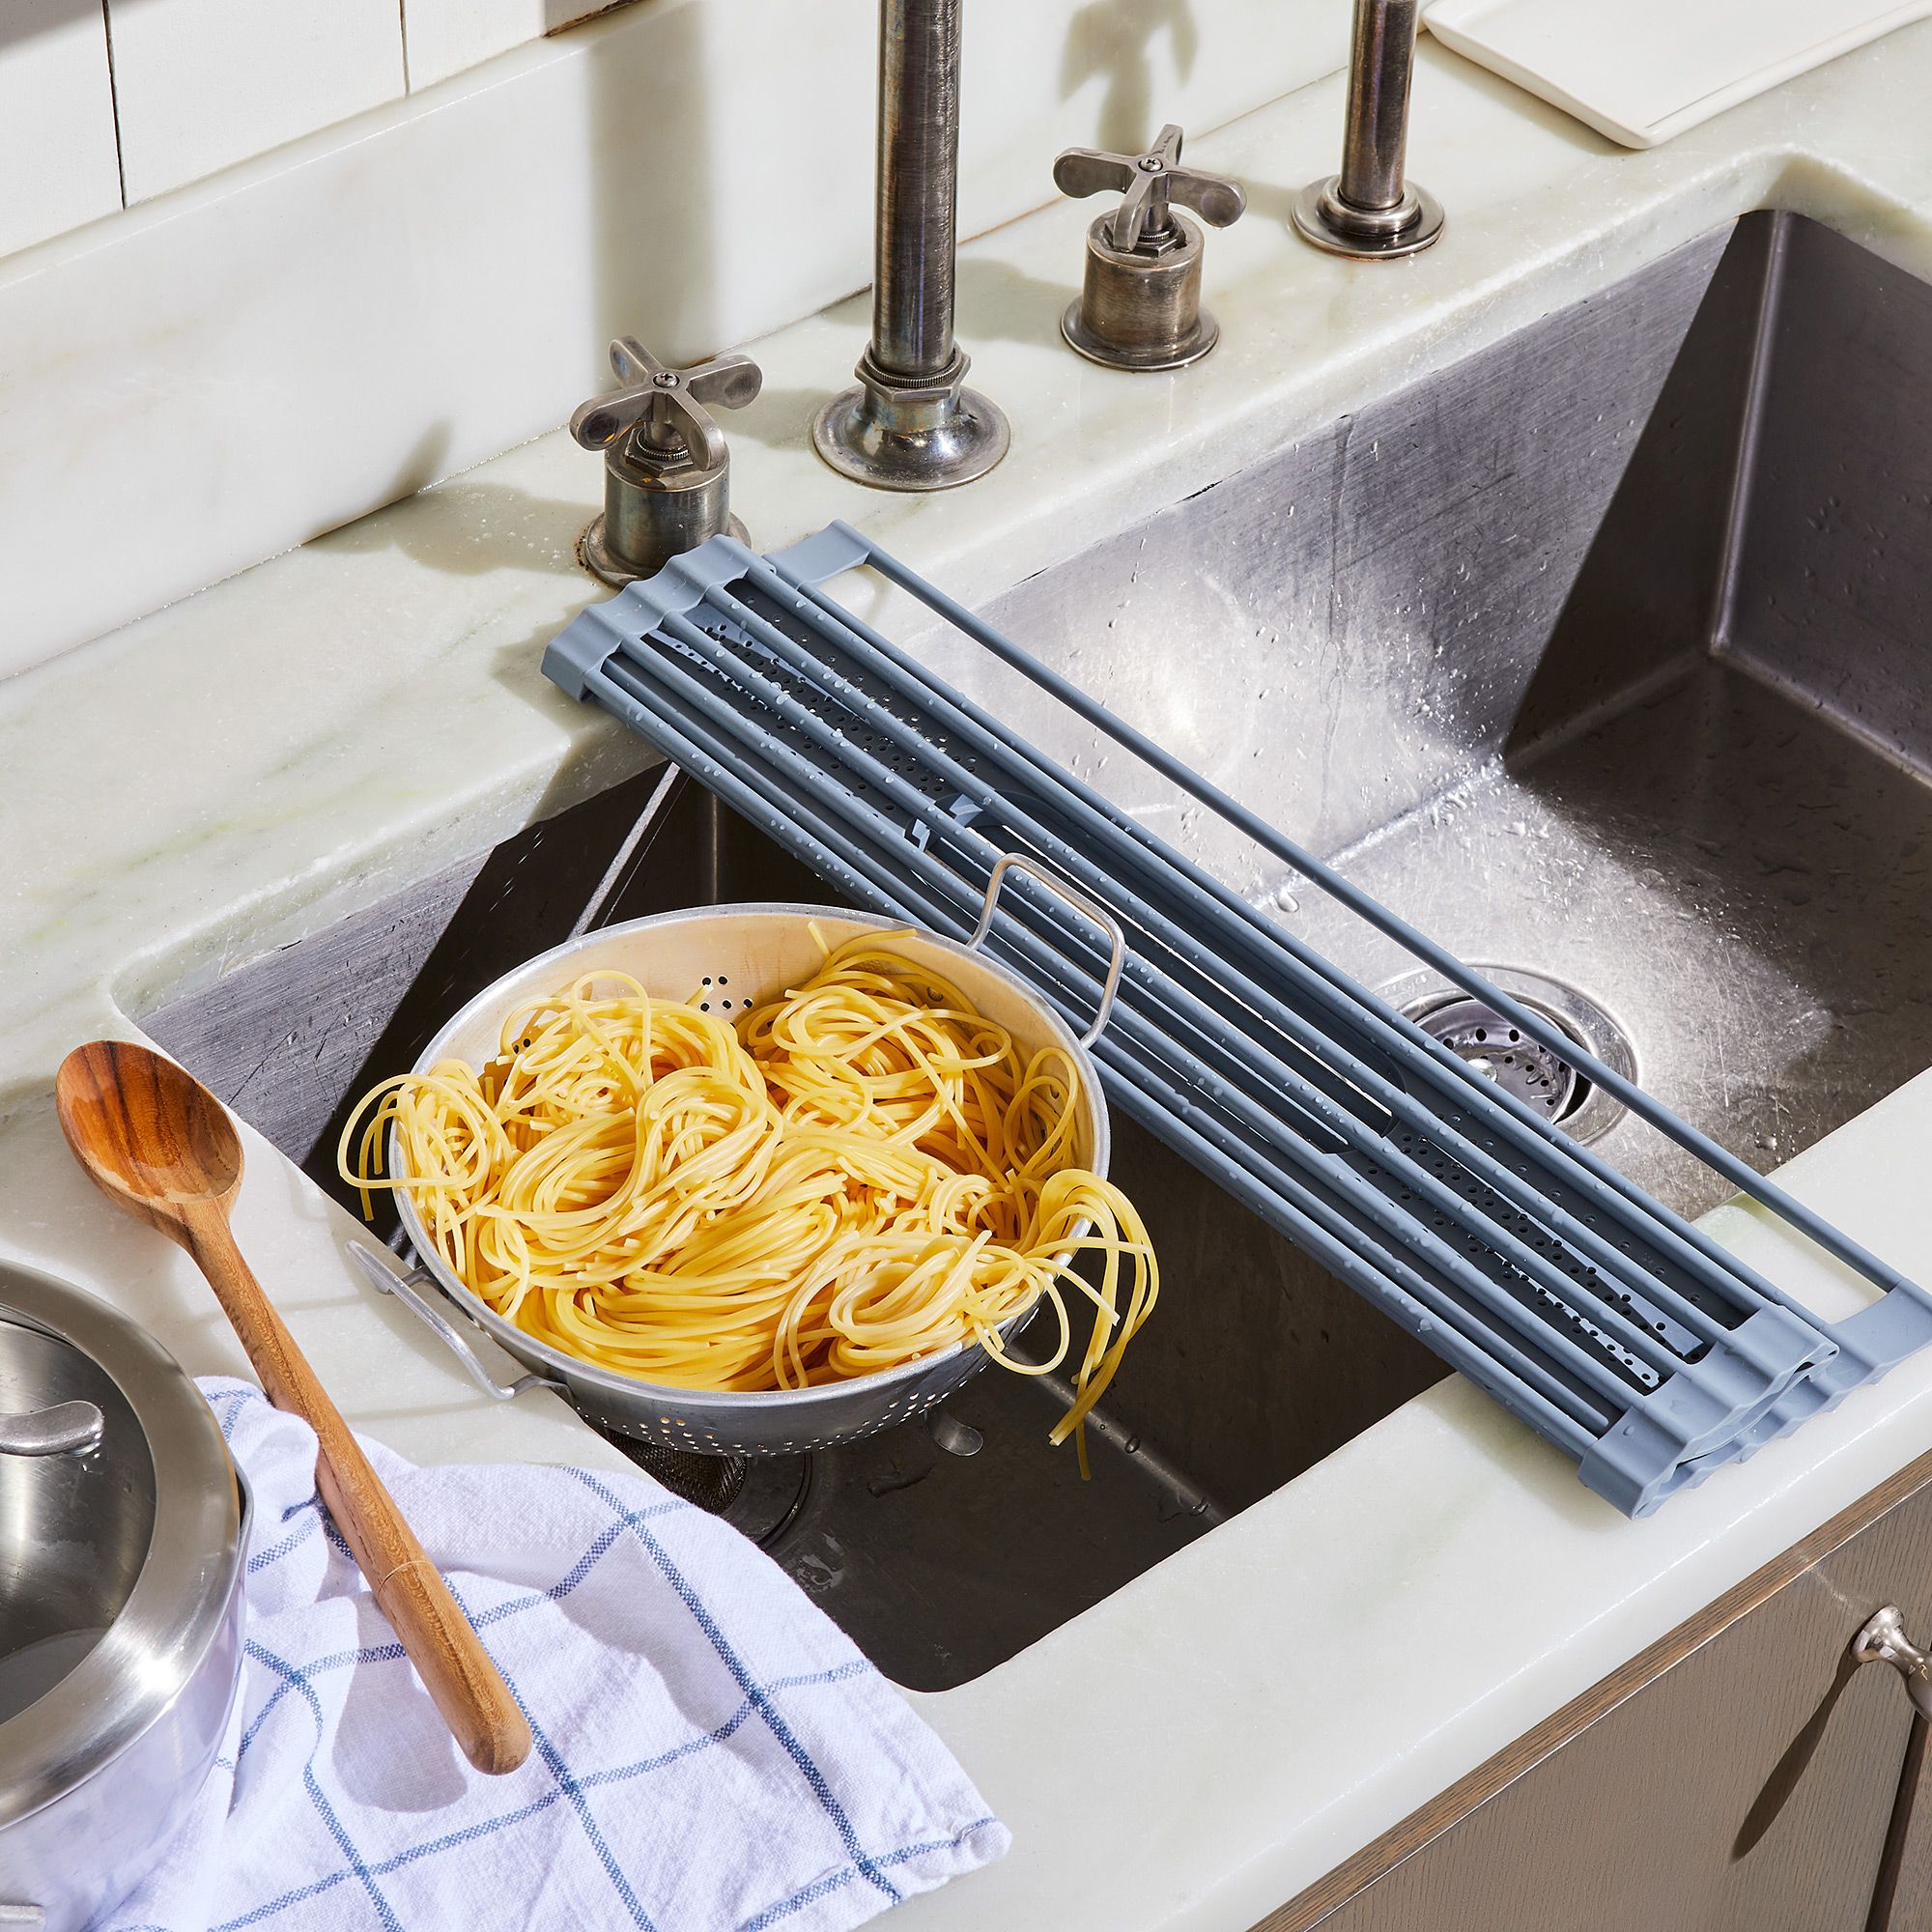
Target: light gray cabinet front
pixel 1742 1775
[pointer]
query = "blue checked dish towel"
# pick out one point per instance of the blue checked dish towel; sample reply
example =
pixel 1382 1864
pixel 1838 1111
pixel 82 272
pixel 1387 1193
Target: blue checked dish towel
pixel 712 1753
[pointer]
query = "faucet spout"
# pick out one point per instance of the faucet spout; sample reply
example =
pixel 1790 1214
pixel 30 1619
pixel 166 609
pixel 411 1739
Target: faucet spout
pixel 911 423
pixel 916 233
pixel 1368 210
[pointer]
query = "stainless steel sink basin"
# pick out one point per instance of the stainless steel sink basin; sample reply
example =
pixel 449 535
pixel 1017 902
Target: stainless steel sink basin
pixel 940 1564
pixel 1597 656
pixel 1604 657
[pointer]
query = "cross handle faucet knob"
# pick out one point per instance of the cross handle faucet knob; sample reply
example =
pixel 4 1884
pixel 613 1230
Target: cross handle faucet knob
pixel 1149 184
pixel 666 408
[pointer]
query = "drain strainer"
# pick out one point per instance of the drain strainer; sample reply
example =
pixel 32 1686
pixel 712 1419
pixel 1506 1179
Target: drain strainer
pixel 760 1496
pixel 1524 1068
pixel 711 1482
pixel 1481 1037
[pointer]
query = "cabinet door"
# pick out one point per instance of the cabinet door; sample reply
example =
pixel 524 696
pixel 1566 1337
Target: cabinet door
pixel 1740 1775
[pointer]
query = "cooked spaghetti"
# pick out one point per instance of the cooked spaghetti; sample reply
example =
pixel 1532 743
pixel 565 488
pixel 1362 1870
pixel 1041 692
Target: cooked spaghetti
pixel 855 1175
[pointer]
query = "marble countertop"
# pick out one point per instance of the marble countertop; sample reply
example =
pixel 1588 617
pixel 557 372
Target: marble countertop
pixel 246 765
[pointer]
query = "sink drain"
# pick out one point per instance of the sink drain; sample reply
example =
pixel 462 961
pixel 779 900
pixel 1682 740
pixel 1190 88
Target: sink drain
pixel 1481 1037
pixel 712 1482
pixel 1500 1051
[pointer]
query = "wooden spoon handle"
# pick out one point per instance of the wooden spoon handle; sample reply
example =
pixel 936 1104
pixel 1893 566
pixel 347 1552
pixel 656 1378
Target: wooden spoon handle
pixel 455 1668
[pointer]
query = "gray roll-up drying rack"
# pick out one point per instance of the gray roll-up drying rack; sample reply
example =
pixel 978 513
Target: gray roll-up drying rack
pixel 1613 1327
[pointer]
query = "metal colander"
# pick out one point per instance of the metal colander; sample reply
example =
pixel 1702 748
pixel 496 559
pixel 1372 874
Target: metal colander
pixel 731 958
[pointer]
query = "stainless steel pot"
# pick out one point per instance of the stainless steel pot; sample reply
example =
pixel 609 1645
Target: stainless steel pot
pixel 121 1567
pixel 743 954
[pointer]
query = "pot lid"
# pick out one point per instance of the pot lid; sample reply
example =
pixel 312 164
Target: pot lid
pixel 117 1558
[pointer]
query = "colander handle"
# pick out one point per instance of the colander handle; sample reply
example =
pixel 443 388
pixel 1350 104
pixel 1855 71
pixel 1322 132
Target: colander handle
pixel 408 1290
pixel 1017 862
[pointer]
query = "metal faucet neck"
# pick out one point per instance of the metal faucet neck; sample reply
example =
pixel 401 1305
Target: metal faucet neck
pixel 1368 209
pixel 912 424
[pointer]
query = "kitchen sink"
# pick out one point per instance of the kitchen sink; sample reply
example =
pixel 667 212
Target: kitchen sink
pixel 941 1564
pixel 1597 656
pixel 1603 658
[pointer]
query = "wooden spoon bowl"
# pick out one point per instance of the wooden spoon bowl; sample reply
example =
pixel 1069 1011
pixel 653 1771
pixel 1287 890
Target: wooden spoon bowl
pixel 147 1133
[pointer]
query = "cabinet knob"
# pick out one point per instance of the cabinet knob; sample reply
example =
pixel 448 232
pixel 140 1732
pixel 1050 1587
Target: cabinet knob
pixel 1884 1640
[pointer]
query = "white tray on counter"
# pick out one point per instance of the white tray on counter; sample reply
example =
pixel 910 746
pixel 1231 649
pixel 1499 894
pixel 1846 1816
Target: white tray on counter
pixel 1643 71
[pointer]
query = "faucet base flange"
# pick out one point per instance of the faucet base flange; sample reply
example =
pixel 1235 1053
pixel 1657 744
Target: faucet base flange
pixel 1140 308
pixel 1323 218
pixel 595 555
pixel 898 435
pixel 1191 347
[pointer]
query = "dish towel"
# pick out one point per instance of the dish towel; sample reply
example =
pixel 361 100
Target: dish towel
pixel 712 1753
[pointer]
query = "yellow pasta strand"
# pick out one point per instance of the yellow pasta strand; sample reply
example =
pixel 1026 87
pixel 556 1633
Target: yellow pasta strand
pixel 858 1174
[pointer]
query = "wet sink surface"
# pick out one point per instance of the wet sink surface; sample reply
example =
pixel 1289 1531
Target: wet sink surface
pixel 1597 657
pixel 1743 887
pixel 1601 657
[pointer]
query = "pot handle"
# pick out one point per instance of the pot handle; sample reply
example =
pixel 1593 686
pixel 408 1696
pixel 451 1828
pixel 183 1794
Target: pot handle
pixel 409 1288
pixel 1091 908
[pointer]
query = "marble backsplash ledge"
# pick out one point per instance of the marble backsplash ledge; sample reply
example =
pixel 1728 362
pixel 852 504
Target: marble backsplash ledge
pixel 232 368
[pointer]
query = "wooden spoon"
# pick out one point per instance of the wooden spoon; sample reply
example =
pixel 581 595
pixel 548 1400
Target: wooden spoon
pixel 157 1143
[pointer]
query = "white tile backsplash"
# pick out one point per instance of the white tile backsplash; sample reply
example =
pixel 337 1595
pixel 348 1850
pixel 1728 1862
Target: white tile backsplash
pixel 204 83
pixel 446 37
pixel 57 158
pixel 234 367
